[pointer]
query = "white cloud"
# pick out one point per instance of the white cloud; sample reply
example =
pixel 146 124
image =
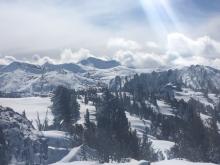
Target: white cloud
pixel 185 51
pixel 36 59
pixel 68 56
pixel 138 59
pixel 151 44
pixel 7 59
pixel 187 47
pixel 121 43
pixel 180 51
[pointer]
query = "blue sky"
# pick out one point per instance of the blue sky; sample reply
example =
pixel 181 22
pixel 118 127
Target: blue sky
pixel 123 30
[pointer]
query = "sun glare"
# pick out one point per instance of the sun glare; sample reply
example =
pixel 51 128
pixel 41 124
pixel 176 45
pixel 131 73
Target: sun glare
pixel 160 16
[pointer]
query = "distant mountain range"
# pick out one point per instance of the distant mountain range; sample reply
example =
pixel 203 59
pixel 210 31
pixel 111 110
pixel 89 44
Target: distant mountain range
pixel 42 79
pixel 100 64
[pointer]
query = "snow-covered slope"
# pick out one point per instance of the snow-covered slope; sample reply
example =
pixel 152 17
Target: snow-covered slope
pixel 134 162
pixel 179 162
pixel 58 141
pixel 31 105
pixel 200 77
pixel 30 79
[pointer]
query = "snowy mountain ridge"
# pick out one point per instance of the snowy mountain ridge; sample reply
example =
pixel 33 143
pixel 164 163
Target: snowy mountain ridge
pixel 19 77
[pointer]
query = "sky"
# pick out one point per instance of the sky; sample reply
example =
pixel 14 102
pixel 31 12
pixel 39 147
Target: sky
pixel 138 33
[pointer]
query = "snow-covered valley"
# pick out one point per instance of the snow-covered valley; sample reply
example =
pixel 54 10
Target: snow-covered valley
pixel 41 105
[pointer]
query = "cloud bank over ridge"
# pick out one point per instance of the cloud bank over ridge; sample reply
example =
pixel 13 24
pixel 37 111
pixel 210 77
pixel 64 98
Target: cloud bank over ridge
pixel 180 50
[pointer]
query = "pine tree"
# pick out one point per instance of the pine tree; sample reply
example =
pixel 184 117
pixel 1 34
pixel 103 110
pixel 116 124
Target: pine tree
pixel 146 150
pixel 65 108
pixel 214 143
pixel 87 119
pixel 115 139
pixel 89 131
pixel 3 149
pixel 86 100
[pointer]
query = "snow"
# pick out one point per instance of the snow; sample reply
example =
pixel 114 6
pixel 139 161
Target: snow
pixel 188 93
pixel 77 163
pixel 134 162
pixel 72 154
pixel 34 105
pixel 179 162
pixel 205 119
pixel 23 79
pixel 163 146
pixel 31 106
pixel 164 108
pixel 131 162
pixel 83 107
pixel 55 134
pixel 138 124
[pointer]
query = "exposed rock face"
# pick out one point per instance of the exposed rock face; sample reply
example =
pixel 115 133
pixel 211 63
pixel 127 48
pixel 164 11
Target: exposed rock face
pixel 24 144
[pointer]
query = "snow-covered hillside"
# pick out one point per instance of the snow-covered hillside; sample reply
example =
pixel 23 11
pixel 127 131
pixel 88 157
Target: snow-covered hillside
pixel 200 77
pixel 30 79
pixel 31 105
pixel 197 82
pixel 41 105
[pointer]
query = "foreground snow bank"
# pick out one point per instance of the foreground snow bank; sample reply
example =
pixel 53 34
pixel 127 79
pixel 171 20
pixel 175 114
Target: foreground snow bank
pixel 80 153
pixel 163 146
pixel 134 162
pixel 58 144
pixel 179 162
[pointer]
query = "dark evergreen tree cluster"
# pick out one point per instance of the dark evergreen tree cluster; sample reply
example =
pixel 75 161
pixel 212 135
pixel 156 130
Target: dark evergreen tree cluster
pixel 90 94
pixel 112 136
pixel 65 108
pixel 116 141
pixel 194 139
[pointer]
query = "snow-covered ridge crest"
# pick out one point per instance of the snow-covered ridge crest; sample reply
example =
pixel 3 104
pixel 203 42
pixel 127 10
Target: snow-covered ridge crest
pixel 31 79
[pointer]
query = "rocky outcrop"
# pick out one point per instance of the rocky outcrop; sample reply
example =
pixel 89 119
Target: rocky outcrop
pixel 24 144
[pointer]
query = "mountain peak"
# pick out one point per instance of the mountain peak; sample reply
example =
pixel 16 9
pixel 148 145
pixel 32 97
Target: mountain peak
pixel 21 66
pixel 99 63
